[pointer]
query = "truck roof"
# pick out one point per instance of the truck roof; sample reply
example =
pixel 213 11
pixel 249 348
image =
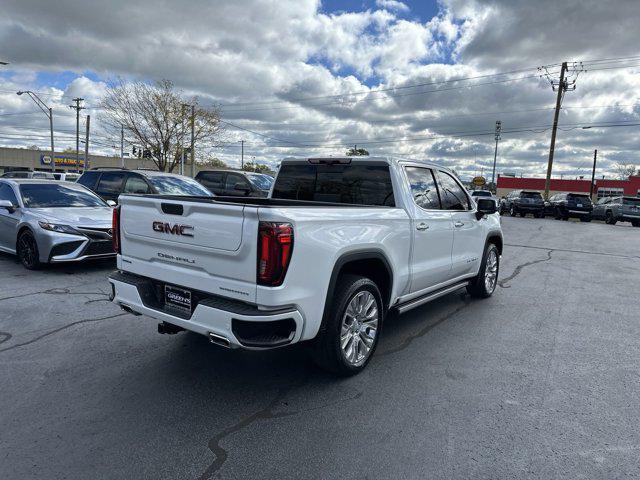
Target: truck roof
pixel 390 160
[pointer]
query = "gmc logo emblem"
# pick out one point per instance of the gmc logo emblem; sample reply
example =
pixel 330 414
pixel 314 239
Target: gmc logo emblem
pixel 163 227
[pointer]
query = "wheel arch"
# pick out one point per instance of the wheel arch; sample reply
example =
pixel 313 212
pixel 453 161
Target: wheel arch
pixel 496 239
pixel 370 263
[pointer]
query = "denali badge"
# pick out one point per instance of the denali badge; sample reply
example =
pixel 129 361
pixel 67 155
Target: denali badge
pixel 176 229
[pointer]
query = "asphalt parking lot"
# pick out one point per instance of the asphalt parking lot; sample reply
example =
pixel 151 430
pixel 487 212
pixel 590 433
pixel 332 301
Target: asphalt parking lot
pixel 539 381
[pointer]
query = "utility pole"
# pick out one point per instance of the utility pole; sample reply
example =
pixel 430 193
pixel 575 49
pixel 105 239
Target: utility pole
pixel 77 108
pixel 241 154
pixel 86 145
pixel 562 86
pixel 593 173
pixel 48 111
pixel 122 145
pixel 193 140
pixel 495 153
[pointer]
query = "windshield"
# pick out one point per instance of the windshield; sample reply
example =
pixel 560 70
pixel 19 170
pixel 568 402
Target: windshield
pixel 44 195
pixel 481 193
pixel 170 185
pixel 263 182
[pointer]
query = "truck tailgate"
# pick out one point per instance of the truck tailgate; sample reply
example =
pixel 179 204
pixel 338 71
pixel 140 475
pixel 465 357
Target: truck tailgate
pixel 201 245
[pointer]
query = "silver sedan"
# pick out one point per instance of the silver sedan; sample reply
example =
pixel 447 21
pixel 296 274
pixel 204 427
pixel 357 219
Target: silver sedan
pixel 44 221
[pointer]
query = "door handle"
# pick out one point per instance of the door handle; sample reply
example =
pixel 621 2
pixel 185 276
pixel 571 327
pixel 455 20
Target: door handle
pixel 458 224
pixel 422 226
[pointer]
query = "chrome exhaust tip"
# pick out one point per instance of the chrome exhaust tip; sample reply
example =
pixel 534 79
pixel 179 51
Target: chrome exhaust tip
pixel 219 340
pixel 128 309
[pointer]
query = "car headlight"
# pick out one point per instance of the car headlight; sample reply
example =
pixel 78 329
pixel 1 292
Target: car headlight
pixel 54 227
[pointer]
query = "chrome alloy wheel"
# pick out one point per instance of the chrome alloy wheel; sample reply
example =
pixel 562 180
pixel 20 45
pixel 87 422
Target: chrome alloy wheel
pixel 359 328
pixel 491 271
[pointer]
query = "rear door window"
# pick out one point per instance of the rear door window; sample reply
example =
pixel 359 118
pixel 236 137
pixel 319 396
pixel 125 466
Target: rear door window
pixel 355 183
pixel 423 187
pixel 110 182
pixel 89 179
pixel 212 180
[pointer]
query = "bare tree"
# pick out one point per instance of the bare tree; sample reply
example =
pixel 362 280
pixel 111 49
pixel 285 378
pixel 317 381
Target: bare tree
pixel 158 119
pixel 625 169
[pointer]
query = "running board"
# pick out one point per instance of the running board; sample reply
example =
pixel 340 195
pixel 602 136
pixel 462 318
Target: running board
pixel 430 296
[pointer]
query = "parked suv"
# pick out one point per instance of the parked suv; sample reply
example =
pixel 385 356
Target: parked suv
pixel 523 202
pixel 235 183
pixel 571 205
pixel 109 183
pixel 618 209
pixel 477 194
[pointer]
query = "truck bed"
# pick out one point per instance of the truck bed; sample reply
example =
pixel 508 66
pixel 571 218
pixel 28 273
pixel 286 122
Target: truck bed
pixel 260 202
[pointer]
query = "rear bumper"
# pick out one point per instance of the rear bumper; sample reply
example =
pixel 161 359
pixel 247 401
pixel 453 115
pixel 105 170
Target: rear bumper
pixel 243 325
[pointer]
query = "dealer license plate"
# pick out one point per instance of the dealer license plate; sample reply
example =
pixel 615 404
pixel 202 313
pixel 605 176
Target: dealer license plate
pixel 177 298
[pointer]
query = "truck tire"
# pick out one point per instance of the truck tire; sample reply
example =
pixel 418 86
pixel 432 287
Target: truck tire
pixel 27 250
pixel 484 284
pixel 512 211
pixel 350 335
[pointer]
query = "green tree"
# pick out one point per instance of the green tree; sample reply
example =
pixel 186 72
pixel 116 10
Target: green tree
pixel 257 168
pixel 157 115
pixel 357 152
pixel 215 162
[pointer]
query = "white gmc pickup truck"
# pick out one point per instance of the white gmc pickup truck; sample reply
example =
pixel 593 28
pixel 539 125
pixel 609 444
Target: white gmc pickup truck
pixel 338 244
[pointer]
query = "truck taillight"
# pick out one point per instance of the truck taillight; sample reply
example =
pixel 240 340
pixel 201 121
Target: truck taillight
pixel 115 229
pixel 275 245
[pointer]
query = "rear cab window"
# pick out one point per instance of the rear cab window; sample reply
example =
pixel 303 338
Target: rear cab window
pixel 360 183
pixel 532 195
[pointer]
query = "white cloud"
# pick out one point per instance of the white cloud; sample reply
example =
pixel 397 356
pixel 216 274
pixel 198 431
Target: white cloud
pixel 257 51
pixel 393 5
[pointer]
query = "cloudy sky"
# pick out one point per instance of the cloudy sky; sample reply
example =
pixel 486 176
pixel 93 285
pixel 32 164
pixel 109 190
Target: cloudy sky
pixel 422 79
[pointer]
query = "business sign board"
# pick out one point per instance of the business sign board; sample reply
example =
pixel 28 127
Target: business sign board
pixel 62 160
pixel 479 181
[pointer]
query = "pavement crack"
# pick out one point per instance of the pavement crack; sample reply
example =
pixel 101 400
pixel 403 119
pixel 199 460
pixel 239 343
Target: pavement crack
pixel 503 283
pixel 584 252
pixel 59 329
pixel 6 337
pixel 267 413
pixel 423 331
pixel 53 291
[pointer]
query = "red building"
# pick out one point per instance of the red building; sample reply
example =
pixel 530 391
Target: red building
pixel 602 188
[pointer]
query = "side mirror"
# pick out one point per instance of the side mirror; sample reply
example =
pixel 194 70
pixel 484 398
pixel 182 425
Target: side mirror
pixel 239 187
pixel 111 203
pixel 486 206
pixel 6 204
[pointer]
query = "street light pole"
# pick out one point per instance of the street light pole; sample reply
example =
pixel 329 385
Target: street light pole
pixel 48 111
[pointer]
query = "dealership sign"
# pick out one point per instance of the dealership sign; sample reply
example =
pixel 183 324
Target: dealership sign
pixel 62 160
pixel 479 181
